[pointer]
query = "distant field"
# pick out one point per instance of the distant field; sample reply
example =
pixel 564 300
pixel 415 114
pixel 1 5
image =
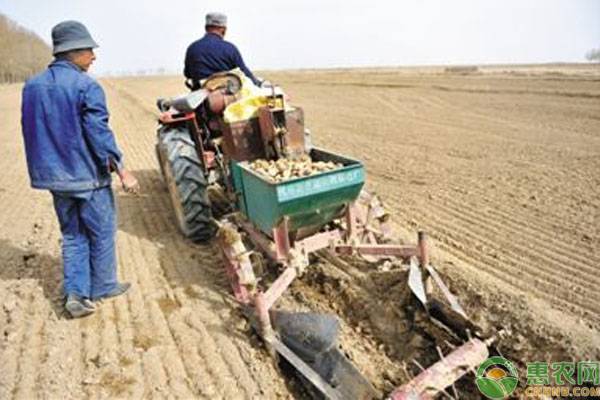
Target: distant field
pixel 500 166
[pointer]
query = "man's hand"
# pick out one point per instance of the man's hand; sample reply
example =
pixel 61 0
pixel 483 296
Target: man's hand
pixel 129 182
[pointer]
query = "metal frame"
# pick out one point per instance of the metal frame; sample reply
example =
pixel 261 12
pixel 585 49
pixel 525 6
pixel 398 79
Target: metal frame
pixel 364 231
pixel 292 256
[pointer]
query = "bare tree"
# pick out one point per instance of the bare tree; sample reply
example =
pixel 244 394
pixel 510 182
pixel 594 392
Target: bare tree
pixel 22 52
pixel 593 55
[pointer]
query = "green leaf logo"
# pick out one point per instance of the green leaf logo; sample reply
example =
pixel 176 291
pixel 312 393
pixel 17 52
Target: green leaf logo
pixel 497 378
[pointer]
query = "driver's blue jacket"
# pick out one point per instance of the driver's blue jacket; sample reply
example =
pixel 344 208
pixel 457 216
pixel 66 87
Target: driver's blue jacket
pixel 212 54
pixel 68 143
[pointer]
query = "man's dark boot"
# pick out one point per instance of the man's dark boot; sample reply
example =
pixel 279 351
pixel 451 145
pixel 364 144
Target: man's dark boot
pixel 79 306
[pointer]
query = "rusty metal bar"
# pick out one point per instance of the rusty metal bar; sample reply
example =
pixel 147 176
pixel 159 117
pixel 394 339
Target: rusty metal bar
pixel 351 223
pixel 262 311
pixel 318 241
pixel 264 319
pixel 444 372
pixel 423 251
pixel 261 240
pixel 279 286
pixel 232 266
pixel 392 250
pixel 282 239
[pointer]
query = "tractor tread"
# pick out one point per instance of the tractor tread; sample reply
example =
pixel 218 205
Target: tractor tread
pixel 188 178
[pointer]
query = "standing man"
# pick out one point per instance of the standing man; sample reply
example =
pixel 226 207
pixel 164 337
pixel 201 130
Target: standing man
pixel 213 54
pixel 71 151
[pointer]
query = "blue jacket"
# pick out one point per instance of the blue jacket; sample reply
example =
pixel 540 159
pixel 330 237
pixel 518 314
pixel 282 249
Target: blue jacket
pixel 68 142
pixel 212 54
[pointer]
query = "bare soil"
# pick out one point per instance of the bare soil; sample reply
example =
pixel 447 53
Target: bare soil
pixel 500 167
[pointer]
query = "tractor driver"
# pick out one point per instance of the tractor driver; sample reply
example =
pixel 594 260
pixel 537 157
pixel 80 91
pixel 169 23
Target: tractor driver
pixel 213 54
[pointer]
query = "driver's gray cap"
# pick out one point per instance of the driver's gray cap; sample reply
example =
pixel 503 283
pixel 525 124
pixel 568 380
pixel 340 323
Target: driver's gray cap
pixel 71 35
pixel 216 19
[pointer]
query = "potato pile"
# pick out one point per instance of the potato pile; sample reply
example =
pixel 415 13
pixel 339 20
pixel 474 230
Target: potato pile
pixel 285 168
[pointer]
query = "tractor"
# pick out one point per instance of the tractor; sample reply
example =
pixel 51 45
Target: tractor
pixel 223 151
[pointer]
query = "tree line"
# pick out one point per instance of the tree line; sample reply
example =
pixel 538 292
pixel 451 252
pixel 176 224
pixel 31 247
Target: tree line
pixel 22 52
pixel 593 55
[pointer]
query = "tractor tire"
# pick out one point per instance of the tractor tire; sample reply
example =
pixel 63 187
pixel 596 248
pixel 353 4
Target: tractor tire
pixel 186 183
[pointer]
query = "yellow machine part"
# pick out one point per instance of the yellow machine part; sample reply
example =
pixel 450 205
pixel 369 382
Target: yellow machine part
pixel 251 99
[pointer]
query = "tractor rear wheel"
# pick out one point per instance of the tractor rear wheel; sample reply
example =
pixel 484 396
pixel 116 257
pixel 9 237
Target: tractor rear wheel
pixel 184 176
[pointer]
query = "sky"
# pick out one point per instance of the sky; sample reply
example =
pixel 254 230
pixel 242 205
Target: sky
pixel 137 35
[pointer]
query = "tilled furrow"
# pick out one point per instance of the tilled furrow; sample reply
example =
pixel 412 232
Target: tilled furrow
pixel 512 272
pixel 17 306
pixel 33 348
pixel 558 258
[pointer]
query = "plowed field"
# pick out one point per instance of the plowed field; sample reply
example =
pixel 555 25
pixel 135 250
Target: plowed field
pixel 501 168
